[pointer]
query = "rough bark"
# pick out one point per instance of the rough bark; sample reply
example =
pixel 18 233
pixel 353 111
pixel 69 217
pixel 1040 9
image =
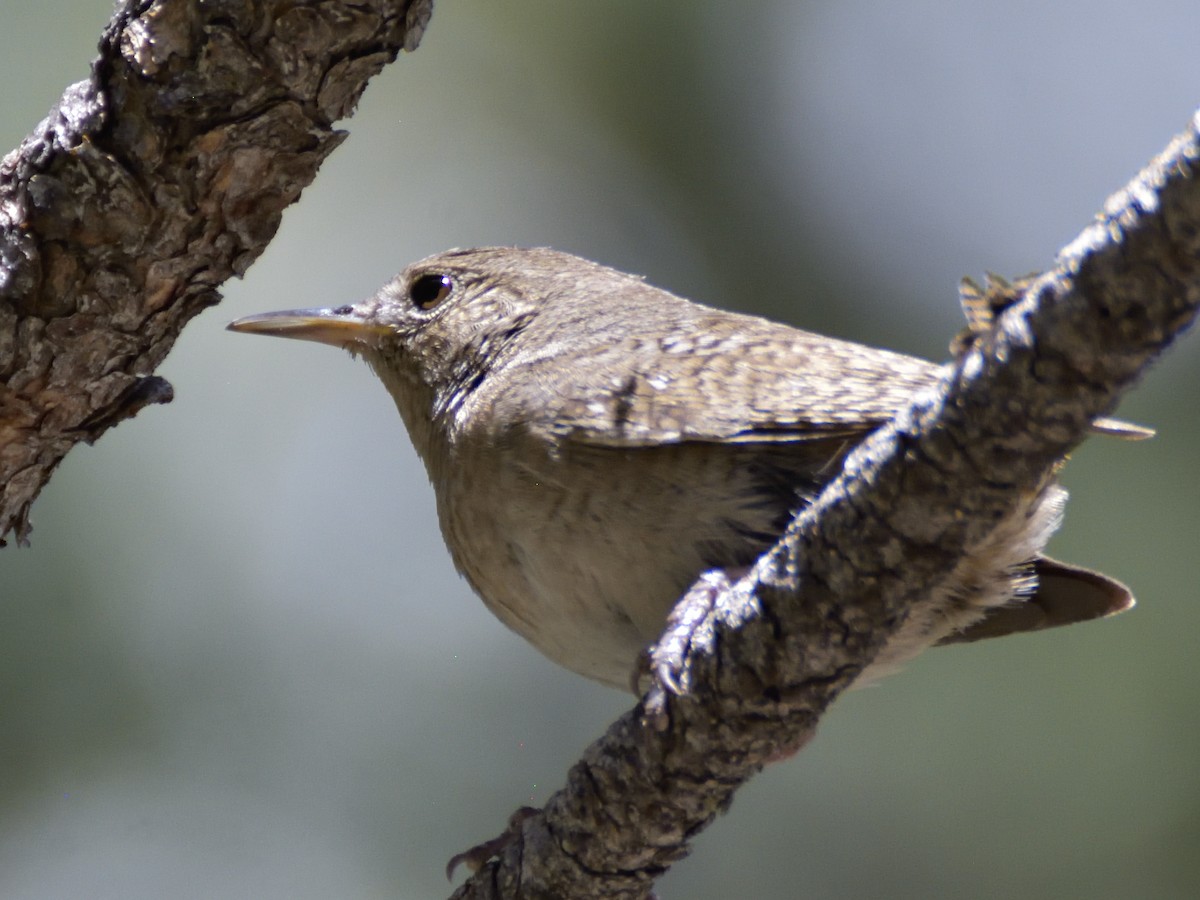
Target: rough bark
pixel 149 185
pixel 910 504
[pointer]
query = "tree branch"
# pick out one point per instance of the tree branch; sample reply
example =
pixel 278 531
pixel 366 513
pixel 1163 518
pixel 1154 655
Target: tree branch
pixel 908 508
pixel 147 187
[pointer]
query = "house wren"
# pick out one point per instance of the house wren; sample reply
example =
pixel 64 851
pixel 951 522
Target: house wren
pixel 597 444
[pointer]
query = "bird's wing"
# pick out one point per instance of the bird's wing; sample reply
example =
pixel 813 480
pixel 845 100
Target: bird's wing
pixel 731 379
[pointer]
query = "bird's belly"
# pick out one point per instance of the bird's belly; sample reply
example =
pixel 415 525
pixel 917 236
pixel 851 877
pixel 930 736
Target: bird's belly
pixel 589 576
pixel 587 599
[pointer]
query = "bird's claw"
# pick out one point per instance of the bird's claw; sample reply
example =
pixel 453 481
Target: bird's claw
pixel 476 856
pixel 689 630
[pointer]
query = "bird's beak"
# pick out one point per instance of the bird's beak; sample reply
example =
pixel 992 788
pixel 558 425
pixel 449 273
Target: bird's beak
pixel 340 327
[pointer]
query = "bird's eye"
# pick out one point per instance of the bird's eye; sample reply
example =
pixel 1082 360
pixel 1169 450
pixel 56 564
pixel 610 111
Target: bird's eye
pixel 429 290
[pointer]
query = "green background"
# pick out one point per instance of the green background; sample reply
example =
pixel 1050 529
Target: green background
pixel 237 662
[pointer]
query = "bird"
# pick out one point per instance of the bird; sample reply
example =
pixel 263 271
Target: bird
pixel 597 445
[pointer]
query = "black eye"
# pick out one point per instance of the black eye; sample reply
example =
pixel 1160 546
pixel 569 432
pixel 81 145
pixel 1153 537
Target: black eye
pixel 428 291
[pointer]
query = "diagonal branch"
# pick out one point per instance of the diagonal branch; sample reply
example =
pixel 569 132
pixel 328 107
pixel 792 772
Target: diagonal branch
pixel 147 187
pixel 909 506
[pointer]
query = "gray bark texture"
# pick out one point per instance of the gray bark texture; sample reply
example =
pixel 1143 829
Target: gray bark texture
pixel 148 186
pixel 167 172
pixel 910 504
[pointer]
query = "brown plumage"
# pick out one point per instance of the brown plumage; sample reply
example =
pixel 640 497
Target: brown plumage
pixel 595 444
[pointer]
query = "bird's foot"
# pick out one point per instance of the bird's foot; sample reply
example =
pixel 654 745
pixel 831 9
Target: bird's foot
pixel 689 631
pixel 475 857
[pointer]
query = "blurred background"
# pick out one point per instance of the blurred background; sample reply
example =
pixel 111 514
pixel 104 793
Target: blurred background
pixel 236 661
